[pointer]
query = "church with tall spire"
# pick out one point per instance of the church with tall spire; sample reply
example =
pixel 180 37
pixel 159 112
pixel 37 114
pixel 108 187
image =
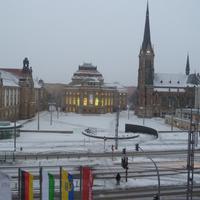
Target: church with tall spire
pixel 161 93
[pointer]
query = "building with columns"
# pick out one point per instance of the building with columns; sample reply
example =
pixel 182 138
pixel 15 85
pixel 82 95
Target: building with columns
pixel 87 93
pixel 161 93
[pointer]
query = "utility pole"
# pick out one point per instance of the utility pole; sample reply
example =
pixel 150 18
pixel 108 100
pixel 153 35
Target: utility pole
pixel 38 108
pixel 15 134
pixel 124 162
pixel 116 128
pixel 51 107
pixel 190 157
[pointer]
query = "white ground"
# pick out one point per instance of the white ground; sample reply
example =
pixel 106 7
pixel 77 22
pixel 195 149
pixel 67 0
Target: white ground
pixel 105 125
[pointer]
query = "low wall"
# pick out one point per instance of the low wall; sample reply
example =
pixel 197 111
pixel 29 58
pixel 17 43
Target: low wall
pixel 140 129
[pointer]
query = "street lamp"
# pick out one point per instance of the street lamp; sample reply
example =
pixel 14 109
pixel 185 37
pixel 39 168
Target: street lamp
pixel 15 131
pixel 156 167
pixel 38 108
pixel 116 127
pixel 143 115
pixel 51 104
pixel 124 162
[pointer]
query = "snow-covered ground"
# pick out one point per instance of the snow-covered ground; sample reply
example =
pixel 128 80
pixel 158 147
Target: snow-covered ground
pixel 105 126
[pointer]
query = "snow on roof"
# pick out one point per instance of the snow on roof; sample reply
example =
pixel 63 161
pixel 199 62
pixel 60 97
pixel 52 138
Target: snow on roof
pixel 88 78
pixel 9 79
pixel 159 89
pixel 14 71
pixel 36 84
pixel 87 72
pixel 119 87
pixel 170 80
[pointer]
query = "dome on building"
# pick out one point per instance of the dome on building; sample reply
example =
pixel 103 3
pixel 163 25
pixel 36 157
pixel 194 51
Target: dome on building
pixel 87 73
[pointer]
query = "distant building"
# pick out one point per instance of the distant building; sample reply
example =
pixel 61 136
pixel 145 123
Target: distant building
pixel 132 96
pixel 55 93
pixel 197 97
pixel 87 92
pixel 17 93
pixel 160 93
pixel 183 118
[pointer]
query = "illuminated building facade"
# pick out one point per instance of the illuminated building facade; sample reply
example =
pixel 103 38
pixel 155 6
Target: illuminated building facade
pixel 87 93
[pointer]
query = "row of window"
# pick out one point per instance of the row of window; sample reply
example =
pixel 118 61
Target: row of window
pixel 89 110
pixel 9 113
pixel 86 93
pixel 89 101
pixel 11 96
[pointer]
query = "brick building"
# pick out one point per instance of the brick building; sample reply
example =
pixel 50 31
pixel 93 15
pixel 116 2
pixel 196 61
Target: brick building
pixel 87 92
pixel 161 93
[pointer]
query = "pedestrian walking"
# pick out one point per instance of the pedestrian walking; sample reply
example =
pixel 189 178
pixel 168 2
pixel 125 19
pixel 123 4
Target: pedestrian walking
pixel 118 178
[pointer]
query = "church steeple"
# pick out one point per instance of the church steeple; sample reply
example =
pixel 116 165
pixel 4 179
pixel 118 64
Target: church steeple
pixel 146 70
pixel 187 69
pixel 146 57
pixel 147 36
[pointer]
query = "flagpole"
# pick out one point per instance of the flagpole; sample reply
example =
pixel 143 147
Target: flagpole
pixel 40 183
pixel 81 182
pixel 60 182
pixel 19 183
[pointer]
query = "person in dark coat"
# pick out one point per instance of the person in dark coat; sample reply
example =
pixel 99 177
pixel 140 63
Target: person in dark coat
pixel 118 177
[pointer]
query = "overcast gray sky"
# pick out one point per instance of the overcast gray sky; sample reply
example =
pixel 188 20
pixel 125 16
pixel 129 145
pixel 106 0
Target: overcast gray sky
pixel 59 35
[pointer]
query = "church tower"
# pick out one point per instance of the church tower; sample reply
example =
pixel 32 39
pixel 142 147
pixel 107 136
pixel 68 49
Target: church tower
pixel 146 70
pixel 146 57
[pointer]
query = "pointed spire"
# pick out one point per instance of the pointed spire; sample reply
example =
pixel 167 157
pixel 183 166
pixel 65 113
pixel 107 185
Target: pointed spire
pixel 147 36
pixel 187 69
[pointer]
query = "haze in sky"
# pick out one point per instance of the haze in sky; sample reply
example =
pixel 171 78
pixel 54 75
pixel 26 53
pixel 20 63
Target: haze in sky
pixel 57 36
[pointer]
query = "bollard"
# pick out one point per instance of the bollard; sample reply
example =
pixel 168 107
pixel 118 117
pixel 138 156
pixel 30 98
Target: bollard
pixel 13 156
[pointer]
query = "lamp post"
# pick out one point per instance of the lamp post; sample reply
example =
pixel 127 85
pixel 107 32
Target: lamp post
pixel 116 129
pixel 156 167
pixel 15 146
pixel 51 104
pixel 124 162
pixel 38 108
pixel 128 108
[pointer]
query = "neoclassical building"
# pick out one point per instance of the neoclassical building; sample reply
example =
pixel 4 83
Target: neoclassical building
pixel 18 93
pixel 87 92
pixel 161 93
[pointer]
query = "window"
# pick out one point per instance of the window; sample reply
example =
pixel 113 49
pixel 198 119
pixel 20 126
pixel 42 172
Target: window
pixel 74 100
pixel 102 102
pixel 85 101
pixel 111 101
pixel 96 101
pixel 108 101
pixel 78 101
pixel 70 100
pixel 105 101
pixel 90 99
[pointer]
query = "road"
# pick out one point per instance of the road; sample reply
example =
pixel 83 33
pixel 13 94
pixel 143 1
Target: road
pixel 63 155
pixel 138 171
